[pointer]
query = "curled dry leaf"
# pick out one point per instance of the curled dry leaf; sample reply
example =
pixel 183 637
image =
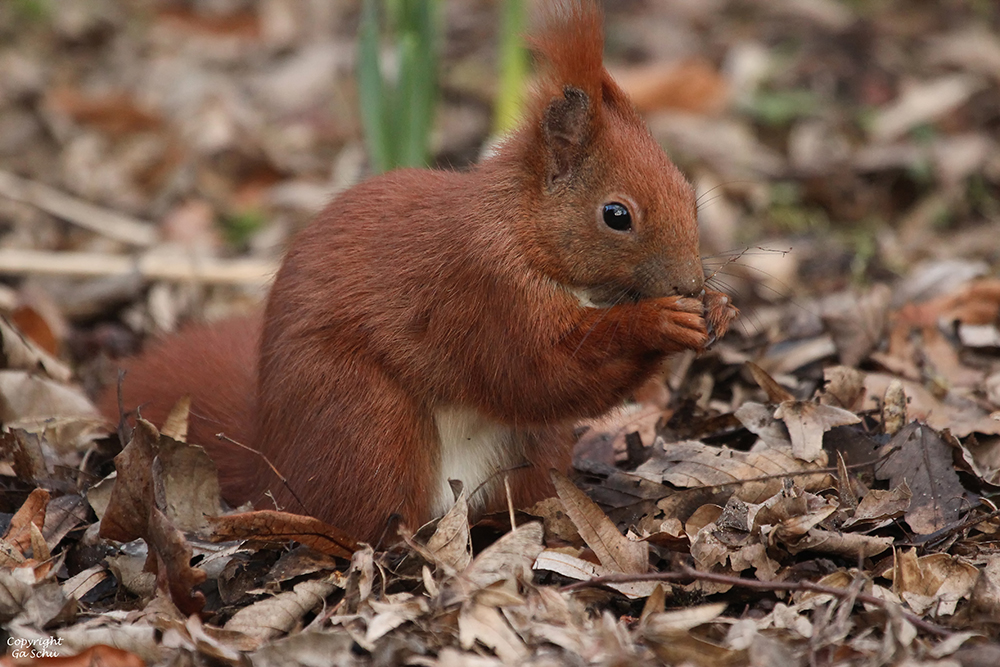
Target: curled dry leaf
pixel 846 545
pixel 935 581
pixel 176 424
pixel 477 622
pixel 392 614
pixel 449 545
pixel 579 569
pixel 664 625
pixel 127 515
pixel 775 392
pixel 880 506
pixel 274 526
pixel 856 322
pixel 509 557
pixel 30 515
pixel 191 492
pixel 20 353
pixel 807 422
pixel 844 388
pixel 279 614
pixel 174 572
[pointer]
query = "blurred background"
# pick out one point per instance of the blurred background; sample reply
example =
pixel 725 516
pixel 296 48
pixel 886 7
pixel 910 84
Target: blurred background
pixel 157 155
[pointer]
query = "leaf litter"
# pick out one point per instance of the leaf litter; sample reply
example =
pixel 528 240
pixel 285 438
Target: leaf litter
pixel 820 488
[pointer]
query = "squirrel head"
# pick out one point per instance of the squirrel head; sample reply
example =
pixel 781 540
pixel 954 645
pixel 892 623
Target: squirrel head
pixel 607 214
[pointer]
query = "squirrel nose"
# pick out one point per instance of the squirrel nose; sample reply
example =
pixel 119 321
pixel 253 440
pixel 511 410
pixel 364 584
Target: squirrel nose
pixel 689 278
pixel 692 284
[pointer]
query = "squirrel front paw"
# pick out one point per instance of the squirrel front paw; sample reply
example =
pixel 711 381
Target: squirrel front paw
pixel 681 323
pixel 719 313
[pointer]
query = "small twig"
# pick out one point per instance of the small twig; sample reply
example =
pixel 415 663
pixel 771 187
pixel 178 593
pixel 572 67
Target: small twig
pixel 149 266
pixel 103 221
pixel 263 457
pixel 687 574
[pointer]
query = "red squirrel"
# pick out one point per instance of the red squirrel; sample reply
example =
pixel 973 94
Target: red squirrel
pixel 433 325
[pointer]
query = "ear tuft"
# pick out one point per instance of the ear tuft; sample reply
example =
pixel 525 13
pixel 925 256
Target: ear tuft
pixel 567 126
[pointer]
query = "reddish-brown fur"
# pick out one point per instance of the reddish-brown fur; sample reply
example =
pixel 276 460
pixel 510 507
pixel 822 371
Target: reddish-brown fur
pixel 420 291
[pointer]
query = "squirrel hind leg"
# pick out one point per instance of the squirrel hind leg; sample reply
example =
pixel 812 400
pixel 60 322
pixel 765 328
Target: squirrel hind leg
pixel 367 454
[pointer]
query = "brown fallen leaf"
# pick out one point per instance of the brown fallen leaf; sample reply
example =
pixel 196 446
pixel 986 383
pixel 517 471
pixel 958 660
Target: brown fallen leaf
pixel 450 545
pixel 844 388
pixel 31 323
pixel 274 526
pixel 615 551
pixel 277 615
pixel 31 514
pixel 923 461
pixel 176 424
pixel 856 322
pixel 189 482
pixel 775 392
pixel 935 581
pixel 174 574
pixel 752 476
pixel 127 515
pixel 881 506
pixel 510 557
pixel 807 422
pixel 477 622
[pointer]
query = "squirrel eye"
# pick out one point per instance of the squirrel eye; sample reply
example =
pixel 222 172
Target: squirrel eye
pixel 617 217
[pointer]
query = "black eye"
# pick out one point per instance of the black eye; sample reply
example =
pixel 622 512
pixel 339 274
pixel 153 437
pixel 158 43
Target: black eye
pixel 617 217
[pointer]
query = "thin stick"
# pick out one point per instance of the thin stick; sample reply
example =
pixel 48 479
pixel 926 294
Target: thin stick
pixel 145 267
pixel 686 574
pixel 103 221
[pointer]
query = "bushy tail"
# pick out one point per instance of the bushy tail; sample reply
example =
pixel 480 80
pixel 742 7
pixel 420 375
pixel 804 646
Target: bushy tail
pixel 216 365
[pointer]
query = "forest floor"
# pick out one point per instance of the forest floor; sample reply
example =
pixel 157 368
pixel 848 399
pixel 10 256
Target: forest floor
pixel 820 488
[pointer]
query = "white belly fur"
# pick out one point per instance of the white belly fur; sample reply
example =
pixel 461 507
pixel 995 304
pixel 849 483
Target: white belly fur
pixel 473 449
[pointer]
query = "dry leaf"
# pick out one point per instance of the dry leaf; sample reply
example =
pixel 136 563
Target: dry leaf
pixel 693 464
pixel 279 614
pixel 615 551
pixel 31 514
pixel 923 462
pixel 579 569
pixel 807 422
pixel 935 581
pixel 881 506
pixel 175 426
pixel 274 526
pixel 449 545
pixel 127 515
pixel 175 575
pixel 775 392
pixel 510 557
pixel 692 85
pixel 484 624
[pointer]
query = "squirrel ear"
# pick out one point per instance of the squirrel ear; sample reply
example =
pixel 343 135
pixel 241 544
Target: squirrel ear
pixel 566 125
